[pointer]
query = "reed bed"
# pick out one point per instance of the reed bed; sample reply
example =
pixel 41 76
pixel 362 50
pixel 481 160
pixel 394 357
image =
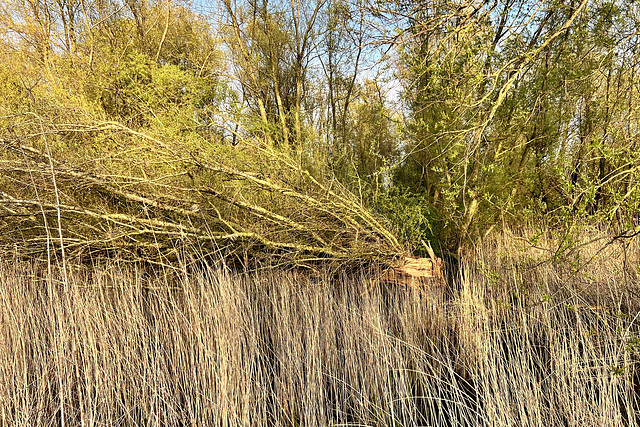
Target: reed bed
pixel 520 340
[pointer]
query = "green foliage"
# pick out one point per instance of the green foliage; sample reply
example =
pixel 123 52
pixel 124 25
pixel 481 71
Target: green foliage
pixel 413 218
pixel 510 118
pixel 141 92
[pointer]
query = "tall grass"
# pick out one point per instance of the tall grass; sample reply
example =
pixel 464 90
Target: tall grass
pixel 522 340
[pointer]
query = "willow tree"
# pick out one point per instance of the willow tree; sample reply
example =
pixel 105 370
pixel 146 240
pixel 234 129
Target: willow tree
pixel 271 46
pixel 514 105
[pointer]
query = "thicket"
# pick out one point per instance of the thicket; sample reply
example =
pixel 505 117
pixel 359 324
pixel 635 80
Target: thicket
pixel 307 126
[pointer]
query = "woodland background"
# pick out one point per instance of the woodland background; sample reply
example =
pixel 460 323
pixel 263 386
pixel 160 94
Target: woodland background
pixel 449 118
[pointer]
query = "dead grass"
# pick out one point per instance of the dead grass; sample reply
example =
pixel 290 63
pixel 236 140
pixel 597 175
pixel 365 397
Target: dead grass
pixel 524 340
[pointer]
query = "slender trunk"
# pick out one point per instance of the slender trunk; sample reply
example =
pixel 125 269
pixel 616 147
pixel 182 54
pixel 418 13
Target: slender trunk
pixel 90 30
pixel 281 113
pixel 599 201
pixel 164 33
pixel 298 126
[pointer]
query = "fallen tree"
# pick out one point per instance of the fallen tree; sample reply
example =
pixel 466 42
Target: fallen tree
pixel 108 190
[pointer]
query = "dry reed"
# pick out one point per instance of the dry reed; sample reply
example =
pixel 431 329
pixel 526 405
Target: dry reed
pixel 521 341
